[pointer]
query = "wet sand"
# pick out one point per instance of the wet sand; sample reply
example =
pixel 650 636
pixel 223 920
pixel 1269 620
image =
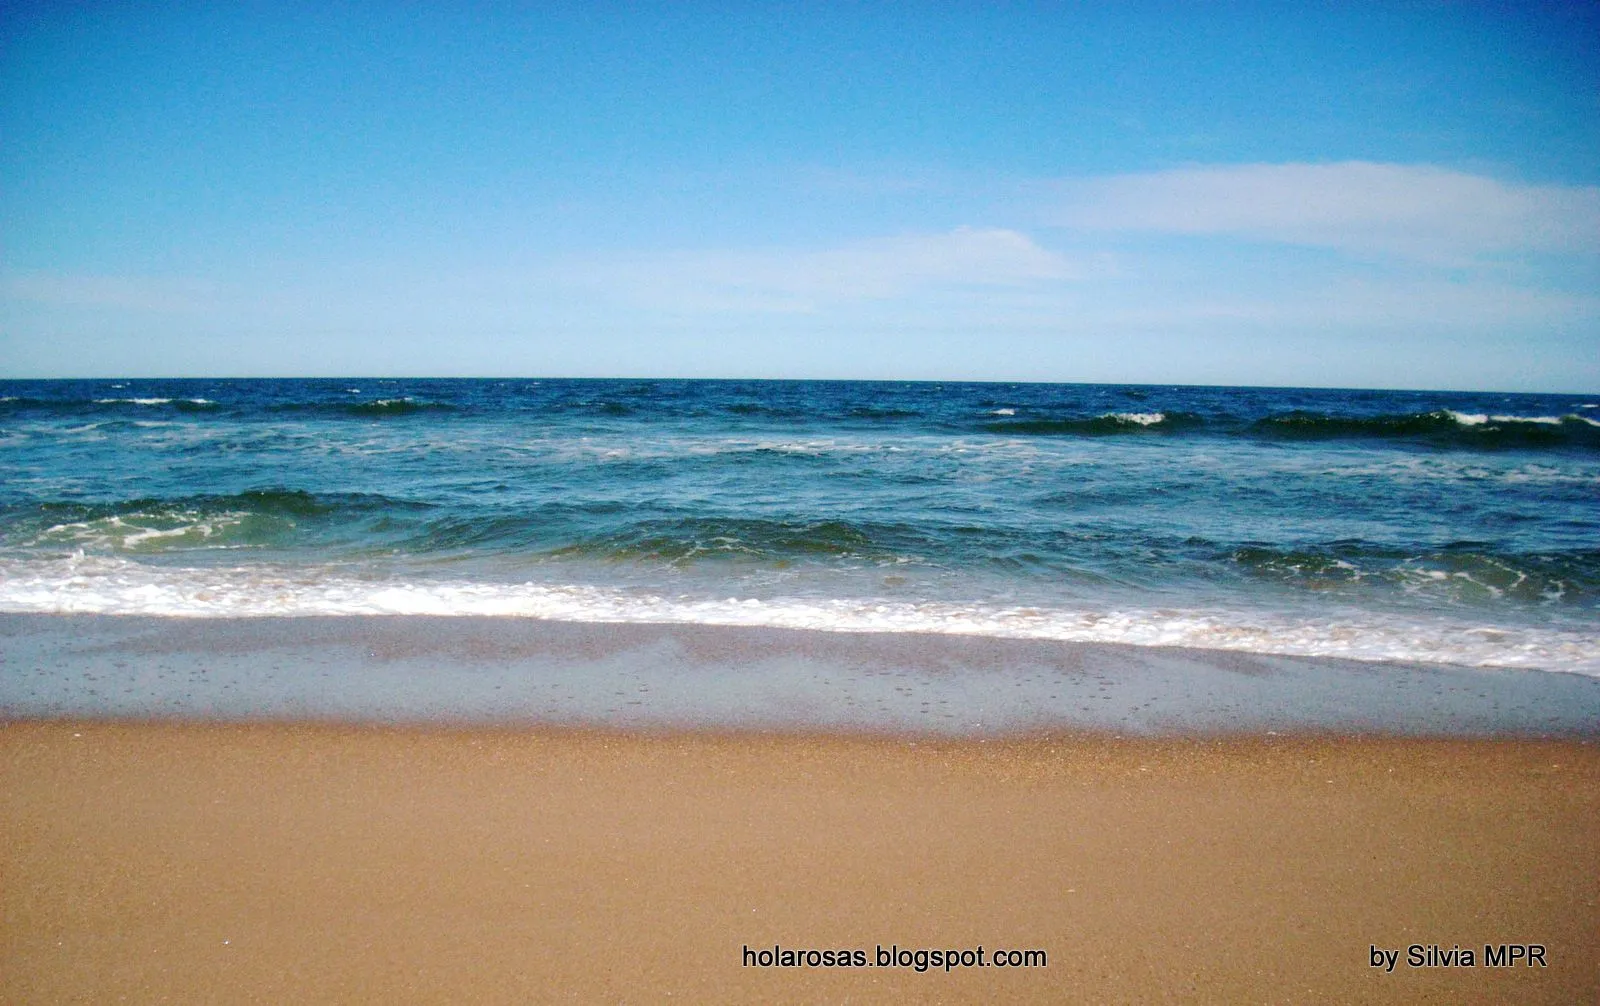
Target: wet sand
pixel 464 671
pixel 284 863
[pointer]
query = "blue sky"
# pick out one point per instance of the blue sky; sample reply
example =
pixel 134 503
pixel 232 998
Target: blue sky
pixel 1375 195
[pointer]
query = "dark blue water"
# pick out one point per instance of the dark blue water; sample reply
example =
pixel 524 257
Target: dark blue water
pixel 1385 525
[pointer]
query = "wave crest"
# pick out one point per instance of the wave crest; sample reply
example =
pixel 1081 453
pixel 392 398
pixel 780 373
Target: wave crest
pixel 1444 427
pixel 1109 423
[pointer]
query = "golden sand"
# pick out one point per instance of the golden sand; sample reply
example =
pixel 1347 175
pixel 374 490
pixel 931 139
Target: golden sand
pixel 302 863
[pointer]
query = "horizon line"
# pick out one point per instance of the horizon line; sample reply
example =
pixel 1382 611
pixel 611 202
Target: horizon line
pixel 801 380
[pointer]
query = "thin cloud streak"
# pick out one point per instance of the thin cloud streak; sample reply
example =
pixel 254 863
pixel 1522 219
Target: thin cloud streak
pixel 1414 211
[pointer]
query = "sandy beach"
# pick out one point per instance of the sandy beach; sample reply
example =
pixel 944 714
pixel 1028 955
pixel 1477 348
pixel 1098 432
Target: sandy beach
pixel 261 862
pixel 784 503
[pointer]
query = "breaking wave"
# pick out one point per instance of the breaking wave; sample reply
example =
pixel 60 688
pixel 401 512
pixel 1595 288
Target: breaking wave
pixel 112 586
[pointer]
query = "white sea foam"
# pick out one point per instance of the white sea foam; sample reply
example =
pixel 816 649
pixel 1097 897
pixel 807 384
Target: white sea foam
pixel 665 448
pixel 1480 418
pixel 1440 469
pixel 151 401
pixel 141 533
pixel 1003 412
pixel 101 585
pixel 1142 418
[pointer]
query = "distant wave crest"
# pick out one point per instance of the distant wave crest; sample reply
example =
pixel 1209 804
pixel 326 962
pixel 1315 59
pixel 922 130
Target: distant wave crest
pixel 1442 426
pixel 1109 423
pixel 26 403
pixel 377 408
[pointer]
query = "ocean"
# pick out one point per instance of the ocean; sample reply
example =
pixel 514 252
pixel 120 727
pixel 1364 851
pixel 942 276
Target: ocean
pixel 1384 526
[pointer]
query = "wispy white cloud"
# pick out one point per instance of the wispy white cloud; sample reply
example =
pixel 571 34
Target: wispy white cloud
pixel 1362 306
pixel 795 280
pixel 1420 212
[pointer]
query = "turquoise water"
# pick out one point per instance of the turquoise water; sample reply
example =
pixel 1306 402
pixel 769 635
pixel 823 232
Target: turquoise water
pixel 1411 526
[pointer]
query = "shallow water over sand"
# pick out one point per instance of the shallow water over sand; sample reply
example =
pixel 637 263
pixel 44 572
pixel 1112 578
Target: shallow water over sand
pixel 522 671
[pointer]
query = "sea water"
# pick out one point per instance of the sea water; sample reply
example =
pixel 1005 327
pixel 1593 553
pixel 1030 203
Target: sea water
pixel 1433 527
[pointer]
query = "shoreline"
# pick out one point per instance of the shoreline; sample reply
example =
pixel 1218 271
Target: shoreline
pixel 322 862
pixel 464 671
pixel 445 809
